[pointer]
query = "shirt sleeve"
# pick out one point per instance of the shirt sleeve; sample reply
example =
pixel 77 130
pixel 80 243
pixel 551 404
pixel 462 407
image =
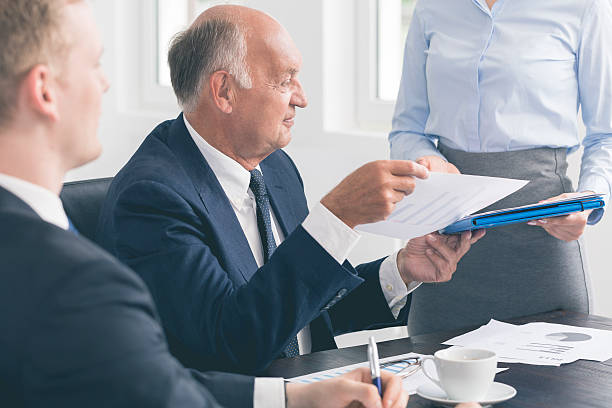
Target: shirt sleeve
pixel 407 138
pixel 395 290
pixel 595 84
pixel 269 393
pixel 337 238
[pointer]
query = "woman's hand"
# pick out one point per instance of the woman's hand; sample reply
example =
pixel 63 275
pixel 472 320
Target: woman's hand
pixel 565 227
pixel 437 164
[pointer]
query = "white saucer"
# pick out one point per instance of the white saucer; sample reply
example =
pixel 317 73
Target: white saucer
pixel 497 393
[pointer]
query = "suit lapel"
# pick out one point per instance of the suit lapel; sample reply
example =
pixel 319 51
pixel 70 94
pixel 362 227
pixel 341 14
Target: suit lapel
pixel 280 198
pixel 216 203
pixel 10 202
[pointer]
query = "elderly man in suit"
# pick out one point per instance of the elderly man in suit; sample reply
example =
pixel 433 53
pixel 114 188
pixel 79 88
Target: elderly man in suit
pixel 211 213
pixel 79 329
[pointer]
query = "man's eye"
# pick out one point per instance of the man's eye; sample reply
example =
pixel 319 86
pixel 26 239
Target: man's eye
pixel 286 83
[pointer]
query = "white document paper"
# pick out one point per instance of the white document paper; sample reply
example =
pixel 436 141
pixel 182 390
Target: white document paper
pixel 539 343
pixel 410 383
pixel 441 200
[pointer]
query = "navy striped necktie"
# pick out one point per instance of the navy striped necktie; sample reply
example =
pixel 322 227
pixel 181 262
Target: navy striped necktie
pixel 264 224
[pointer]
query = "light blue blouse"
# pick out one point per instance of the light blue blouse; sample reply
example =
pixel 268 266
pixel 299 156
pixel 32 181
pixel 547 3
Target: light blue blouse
pixel 510 78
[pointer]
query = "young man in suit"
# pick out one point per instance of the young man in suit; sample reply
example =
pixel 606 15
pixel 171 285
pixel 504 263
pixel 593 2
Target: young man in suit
pixel 240 270
pixel 79 329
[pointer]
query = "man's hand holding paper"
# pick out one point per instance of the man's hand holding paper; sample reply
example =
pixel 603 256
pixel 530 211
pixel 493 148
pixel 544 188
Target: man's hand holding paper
pixel 369 194
pixel 378 186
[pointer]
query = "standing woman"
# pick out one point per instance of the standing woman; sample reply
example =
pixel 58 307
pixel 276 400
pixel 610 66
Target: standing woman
pixel 498 85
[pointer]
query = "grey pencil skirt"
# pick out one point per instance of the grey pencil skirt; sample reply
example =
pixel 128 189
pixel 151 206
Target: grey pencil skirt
pixel 514 270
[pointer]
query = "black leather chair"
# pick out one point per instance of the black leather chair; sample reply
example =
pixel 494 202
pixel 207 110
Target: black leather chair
pixel 83 201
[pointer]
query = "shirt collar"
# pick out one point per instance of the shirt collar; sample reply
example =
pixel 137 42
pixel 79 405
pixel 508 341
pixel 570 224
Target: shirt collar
pixel 482 4
pixel 45 203
pixel 234 178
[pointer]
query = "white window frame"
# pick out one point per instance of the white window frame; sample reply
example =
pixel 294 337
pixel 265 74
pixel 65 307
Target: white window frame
pixel 153 94
pixel 371 111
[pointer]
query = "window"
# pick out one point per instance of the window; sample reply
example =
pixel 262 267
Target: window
pixel 382 26
pixel 172 17
pixel 392 25
pixel 161 20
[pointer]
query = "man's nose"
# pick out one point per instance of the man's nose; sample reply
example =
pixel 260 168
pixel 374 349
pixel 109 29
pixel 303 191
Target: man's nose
pixel 299 96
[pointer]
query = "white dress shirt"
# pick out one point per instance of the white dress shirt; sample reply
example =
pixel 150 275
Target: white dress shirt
pixel 328 230
pixel 45 203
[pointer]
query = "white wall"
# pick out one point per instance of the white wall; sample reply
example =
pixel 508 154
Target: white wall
pixel 325 146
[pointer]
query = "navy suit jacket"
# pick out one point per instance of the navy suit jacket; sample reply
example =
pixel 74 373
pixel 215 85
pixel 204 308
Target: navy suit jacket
pixel 168 218
pixel 78 329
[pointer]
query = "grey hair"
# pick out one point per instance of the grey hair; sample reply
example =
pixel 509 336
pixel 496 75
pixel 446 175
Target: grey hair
pixel 196 53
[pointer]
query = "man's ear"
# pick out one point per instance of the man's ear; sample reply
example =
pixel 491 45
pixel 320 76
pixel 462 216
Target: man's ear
pixel 40 91
pixel 222 90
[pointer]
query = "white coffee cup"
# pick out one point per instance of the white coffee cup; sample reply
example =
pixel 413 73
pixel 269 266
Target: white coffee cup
pixel 464 374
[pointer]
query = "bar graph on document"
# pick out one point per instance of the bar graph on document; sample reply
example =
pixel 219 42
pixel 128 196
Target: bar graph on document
pixel 402 365
pixel 545 348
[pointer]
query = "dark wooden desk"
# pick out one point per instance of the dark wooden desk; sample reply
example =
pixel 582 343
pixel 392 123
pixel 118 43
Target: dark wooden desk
pixel 581 384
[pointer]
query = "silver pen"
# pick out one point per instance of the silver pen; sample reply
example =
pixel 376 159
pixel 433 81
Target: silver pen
pixel 374 364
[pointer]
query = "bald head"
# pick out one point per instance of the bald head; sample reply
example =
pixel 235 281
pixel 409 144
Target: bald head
pixel 249 20
pixel 222 38
pixel 257 27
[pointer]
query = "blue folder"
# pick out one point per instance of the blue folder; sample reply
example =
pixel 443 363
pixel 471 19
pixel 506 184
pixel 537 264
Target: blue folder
pixel 525 213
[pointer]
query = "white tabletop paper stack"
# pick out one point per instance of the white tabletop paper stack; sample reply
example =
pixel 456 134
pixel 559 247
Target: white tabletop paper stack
pixel 539 343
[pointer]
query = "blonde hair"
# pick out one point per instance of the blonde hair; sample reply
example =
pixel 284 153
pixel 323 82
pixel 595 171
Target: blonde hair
pixel 30 34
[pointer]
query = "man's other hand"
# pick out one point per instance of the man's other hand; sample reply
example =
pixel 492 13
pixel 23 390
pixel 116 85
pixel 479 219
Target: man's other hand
pixel 353 389
pixel 434 257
